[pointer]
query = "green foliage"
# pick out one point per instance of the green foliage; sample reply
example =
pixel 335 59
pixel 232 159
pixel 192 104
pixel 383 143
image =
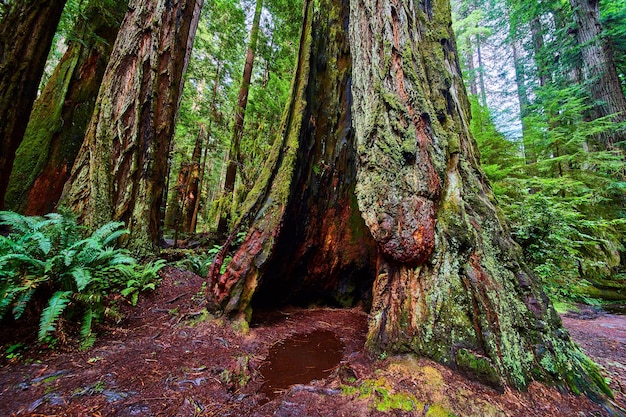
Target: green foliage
pixel 566 206
pixel 140 278
pixel 198 262
pixel 211 92
pixel 48 257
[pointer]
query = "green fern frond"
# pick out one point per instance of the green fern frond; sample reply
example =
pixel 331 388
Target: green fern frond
pixel 82 277
pixel 151 269
pixel 87 336
pixel 9 246
pixel 8 295
pixel 69 256
pixel 112 238
pixel 105 255
pixel 19 223
pixel 43 242
pixel 25 259
pixel 106 230
pixel 122 258
pixel 51 314
pixel 88 254
pixel 22 302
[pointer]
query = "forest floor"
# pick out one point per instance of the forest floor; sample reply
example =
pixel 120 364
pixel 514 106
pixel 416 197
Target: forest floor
pixel 169 358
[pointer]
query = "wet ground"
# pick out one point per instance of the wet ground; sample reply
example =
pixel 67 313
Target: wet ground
pixel 168 358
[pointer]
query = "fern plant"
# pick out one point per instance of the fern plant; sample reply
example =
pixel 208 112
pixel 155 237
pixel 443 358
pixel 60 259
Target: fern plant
pixel 49 254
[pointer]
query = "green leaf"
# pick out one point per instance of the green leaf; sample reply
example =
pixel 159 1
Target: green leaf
pixel 86 334
pixel 134 298
pixel 127 291
pixel 51 314
pixel 112 238
pixel 22 302
pixel 82 277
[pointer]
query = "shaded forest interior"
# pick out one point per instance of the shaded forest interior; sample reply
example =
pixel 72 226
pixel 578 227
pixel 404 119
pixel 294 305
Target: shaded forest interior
pixel 324 153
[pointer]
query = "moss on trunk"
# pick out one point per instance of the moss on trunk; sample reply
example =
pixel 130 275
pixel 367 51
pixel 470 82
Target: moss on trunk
pixel 121 168
pixel 26 32
pixel 418 213
pixel 307 242
pixel 61 113
pixel 450 283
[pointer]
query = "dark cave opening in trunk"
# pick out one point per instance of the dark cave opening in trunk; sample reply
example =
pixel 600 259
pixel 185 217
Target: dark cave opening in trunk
pixel 344 291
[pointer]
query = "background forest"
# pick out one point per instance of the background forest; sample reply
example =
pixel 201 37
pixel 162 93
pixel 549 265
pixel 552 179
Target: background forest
pixel 547 83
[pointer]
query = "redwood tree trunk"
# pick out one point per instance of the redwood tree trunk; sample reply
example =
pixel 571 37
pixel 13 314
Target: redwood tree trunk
pixel 449 283
pixel 26 33
pixel 121 169
pixel 599 69
pixel 307 241
pixel 234 159
pixel 180 209
pixel 61 113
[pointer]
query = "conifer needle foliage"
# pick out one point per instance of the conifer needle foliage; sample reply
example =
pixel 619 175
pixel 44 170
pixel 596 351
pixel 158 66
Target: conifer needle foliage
pixel 49 257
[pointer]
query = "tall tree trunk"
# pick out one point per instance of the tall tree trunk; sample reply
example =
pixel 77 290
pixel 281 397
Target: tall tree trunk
pixel 26 32
pixel 61 113
pixel 307 241
pixel 234 159
pixel 469 59
pixel 530 156
pixel 203 163
pixel 481 73
pixel 599 69
pixel 121 169
pixel 449 284
pixel 536 31
pixel 191 180
pixel 182 201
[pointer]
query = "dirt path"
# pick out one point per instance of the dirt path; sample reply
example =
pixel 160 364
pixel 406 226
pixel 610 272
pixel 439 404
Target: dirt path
pixel 603 337
pixel 167 358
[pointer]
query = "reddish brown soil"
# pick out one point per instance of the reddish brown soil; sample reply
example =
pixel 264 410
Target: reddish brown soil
pixel 167 359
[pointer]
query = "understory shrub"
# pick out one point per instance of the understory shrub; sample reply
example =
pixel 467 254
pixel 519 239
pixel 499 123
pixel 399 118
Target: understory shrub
pixel 49 257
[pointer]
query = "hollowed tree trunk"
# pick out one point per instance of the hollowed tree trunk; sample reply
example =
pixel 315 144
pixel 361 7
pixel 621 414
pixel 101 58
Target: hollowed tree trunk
pixel 61 113
pixel 120 171
pixel 307 241
pixel 26 33
pixel 449 283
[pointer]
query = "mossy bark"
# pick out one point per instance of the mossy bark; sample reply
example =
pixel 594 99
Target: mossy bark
pixel 120 171
pixel 450 283
pixel 61 113
pixel 26 32
pixel 307 242
pixel 181 205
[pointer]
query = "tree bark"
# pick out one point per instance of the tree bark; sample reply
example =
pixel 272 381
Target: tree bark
pixel 61 113
pixel 536 31
pixel 307 241
pixel 121 169
pixel 599 69
pixel 183 202
pixel 26 32
pixel 449 283
pixel 234 159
